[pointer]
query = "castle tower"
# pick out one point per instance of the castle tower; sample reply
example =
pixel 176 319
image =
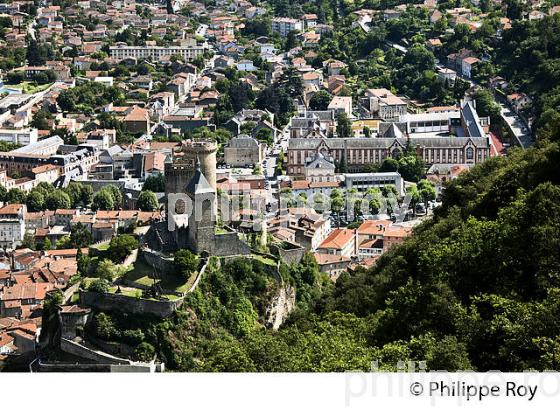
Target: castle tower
pixel 181 167
pixel 205 152
pixel 202 220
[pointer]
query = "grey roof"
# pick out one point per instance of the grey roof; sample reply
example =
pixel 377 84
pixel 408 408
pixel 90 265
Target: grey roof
pixel 304 122
pixel 393 132
pixel 472 121
pixel 198 183
pixel 115 149
pixel 123 154
pixel 39 145
pixel 243 141
pixel 449 142
pixel 320 162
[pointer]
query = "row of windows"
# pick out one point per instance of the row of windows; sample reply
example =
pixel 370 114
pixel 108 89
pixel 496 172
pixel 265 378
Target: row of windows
pixel 360 156
pixel 421 124
pixel 372 181
pixel 155 53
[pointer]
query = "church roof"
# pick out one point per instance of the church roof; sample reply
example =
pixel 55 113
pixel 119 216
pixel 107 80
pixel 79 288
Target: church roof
pixel 320 162
pixel 377 143
pixel 393 132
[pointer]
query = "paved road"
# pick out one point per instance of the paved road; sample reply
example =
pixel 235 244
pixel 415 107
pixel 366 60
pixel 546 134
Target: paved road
pixel 269 167
pixel 517 126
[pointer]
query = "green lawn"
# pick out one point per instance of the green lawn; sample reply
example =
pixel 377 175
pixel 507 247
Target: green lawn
pixel 126 292
pixel 27 87
pixel 142 274
pixel 266 261
pixel 101 247
pixel 137 293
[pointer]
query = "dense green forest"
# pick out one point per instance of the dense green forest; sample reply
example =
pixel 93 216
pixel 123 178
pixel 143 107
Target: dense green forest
pixel 478 287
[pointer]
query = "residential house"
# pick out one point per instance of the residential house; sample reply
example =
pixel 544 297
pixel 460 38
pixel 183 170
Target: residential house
pixel 137 120
pixel 244 150
pixel 12 225
pixel 519 101
pixel 383 104
pixel 467 65
pixel 309 20
pixel 333 265
pixel 283 25
pixel 314 78
pixel 341 105
pixel 246 65
pixel 20 301
pixel 340 242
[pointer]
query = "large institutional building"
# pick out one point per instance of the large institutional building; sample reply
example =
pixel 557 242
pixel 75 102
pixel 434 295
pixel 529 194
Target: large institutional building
pixel 361 152
pixel 189 53
pixel 471 144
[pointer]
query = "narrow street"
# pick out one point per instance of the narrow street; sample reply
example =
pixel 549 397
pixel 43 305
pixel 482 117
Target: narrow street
pixel 517 126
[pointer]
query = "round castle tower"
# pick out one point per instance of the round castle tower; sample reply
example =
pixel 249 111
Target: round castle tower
pixel 180 169
pixel 205 152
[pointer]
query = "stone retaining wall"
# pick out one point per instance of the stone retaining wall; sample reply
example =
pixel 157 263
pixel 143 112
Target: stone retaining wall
pixel 289 256
pixel 121 303
pixel 84 352
pixel 161 263
pixel 228 244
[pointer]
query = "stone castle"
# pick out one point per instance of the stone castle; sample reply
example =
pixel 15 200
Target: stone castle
pixel 192 172
pixel 181 168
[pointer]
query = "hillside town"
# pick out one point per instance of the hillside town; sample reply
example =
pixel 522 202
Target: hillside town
pixel 293 136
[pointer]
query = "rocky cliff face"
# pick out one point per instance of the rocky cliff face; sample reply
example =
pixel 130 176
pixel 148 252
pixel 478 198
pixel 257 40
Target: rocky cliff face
pixel 281 306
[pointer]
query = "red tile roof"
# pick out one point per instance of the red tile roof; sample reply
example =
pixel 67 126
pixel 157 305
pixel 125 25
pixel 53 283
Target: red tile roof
pixel 338 239
pixel 27 291
pixel 5 339
pixel 370 227
pixel 66 252
pixel 396 231
pixel 300 184
pixel 326 259
pixel 11 209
